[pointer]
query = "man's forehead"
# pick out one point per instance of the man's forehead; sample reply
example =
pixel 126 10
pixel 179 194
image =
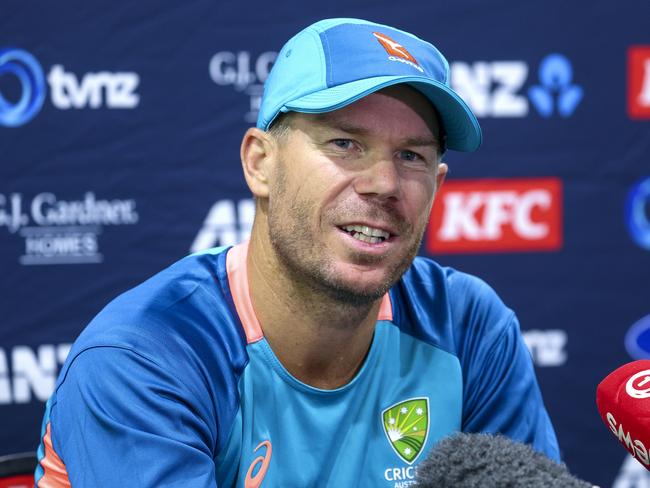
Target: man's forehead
pixel 342 124
pixel 355 120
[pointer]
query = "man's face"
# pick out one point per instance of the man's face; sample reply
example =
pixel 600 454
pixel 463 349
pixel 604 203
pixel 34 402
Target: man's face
pixel 351 193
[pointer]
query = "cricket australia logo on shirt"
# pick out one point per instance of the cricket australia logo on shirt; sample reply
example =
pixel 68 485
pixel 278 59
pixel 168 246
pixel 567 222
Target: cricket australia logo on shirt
pixel 406 425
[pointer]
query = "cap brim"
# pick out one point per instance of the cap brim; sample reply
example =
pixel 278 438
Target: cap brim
pixel 461 127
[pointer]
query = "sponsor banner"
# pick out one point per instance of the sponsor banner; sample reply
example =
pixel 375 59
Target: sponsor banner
pixel 496 215
pixel 637 213
pixel 637 339
pixel 638 82
pixel 95 126
pixel 58 231
pixel 104 89
pixel 498 88
pixel 246 73
pixel 632 474
pixel 495 89
pixel 227 223
pixel 28 373
pixel 547 347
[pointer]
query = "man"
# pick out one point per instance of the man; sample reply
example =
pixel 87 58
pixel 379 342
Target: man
pixel 320 353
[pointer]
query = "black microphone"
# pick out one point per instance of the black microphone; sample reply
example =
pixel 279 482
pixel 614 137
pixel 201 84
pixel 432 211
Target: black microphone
pixel 485 460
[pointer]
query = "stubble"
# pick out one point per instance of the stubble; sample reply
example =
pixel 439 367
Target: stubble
pixel 310 267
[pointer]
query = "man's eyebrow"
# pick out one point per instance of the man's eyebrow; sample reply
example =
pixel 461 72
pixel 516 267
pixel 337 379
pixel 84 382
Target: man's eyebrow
pixel 421 141
pixel 338 124
pixel 345 126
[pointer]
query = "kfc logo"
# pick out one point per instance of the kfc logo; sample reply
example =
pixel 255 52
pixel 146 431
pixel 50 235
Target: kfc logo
pixel 638 82
pixel 496 216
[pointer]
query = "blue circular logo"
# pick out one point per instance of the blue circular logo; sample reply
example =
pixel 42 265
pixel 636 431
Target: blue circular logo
pixel 23 66
pixel 637 339
pixel 637 213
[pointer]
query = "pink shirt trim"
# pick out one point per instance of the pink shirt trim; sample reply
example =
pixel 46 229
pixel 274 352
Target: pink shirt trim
pixel 385 309
pixel 237 269
pixel 55 474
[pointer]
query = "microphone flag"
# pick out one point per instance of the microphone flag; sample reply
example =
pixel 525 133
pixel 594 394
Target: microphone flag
pixel 623 400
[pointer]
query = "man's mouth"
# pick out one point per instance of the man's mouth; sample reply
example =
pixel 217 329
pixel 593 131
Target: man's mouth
pixel 371 235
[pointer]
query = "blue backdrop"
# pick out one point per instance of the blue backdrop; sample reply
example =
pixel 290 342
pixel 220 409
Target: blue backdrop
pixel 120 126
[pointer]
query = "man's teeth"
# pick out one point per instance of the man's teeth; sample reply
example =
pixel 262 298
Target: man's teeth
pixel 367 234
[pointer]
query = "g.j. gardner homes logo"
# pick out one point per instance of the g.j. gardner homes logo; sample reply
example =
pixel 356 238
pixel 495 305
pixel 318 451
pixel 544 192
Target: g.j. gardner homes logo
pixel 407 426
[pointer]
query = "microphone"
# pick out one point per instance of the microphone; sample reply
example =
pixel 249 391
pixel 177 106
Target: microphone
pixel 623 400
pixel 486 460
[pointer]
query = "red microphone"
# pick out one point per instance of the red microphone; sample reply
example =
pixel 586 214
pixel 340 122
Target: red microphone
pixel 623 400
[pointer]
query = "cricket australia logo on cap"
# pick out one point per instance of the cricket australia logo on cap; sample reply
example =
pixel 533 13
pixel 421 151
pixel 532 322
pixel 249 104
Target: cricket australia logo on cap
pixel 396 52
pixel 406 425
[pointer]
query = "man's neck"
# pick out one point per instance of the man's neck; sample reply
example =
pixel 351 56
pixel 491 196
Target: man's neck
pixel 319 340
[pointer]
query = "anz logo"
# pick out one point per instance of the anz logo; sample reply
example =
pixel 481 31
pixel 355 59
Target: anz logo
pixel 228 222
pixel 29 373
pixel 497 88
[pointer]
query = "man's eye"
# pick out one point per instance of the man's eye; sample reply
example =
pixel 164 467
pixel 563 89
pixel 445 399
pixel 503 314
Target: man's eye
pixel 342 143
pixel 410 156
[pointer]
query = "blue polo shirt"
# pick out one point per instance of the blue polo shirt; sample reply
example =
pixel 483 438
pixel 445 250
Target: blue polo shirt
pixel 174 384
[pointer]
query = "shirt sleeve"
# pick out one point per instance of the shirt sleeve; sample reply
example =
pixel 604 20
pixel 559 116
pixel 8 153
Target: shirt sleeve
pixel 500 390
pixel 120 419
pixel 501 394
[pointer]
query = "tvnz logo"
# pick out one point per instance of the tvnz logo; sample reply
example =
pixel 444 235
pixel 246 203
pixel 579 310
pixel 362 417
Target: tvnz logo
pixel 114 90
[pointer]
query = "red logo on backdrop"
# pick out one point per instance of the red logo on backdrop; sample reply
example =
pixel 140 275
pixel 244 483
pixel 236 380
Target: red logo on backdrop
pixel 638 82
pixel 393 48
pixel 474 216
pixel 18 481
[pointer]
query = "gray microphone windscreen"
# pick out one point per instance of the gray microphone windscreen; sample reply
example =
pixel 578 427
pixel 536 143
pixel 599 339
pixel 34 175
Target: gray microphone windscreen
pixel 485 460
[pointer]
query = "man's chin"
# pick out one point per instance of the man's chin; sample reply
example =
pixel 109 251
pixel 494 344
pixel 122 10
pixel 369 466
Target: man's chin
pixel 355 296
pixel 359 292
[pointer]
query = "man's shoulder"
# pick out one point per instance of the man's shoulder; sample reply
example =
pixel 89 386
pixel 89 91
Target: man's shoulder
pixel 445 283
pixel 443 306
pixel 194 282
pixel 180 307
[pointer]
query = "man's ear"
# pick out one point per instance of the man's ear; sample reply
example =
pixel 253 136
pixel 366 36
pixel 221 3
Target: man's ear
pixel 257 154
pixel 441 174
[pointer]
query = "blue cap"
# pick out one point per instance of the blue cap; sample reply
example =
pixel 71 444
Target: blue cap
pixel 335 62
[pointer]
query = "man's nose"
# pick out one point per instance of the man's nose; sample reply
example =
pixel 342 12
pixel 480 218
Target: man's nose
pixel 380 178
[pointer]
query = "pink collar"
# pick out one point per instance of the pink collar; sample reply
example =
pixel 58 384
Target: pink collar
pixel 238 281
